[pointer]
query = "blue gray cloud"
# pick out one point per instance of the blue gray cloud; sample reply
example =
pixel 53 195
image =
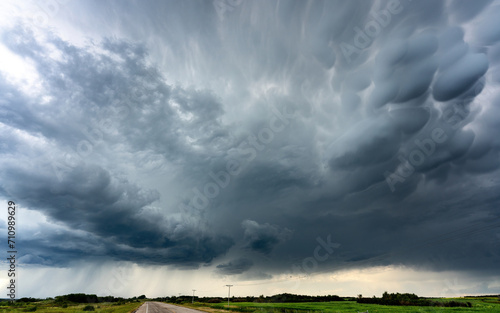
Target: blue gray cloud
pixel 174 133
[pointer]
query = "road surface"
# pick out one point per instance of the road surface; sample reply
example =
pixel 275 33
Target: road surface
pixel 160 307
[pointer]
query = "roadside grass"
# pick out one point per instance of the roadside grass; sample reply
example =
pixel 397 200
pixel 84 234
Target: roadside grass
pixel 478 305
pixel 49 306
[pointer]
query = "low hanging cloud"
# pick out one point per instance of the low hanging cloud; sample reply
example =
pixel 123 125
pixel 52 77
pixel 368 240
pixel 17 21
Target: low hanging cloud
pixel 263 237
pixel 234 267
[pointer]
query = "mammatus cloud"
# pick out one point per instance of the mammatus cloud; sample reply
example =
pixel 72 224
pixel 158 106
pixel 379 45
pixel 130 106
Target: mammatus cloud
pixel 183 135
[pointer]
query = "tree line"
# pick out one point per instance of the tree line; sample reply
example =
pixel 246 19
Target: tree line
pixel 279 298
pixel 409 299
pixel 81 298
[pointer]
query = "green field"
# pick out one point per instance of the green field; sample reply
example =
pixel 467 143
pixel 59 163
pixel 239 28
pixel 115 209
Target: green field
pixel 478 305
pixel 49 306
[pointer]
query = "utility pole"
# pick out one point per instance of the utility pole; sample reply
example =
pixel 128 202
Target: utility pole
pixel 228 295
pixel 193 295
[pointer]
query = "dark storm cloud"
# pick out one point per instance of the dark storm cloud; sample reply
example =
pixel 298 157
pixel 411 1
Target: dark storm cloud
pixel 391 150
pixel 487 31
pixel 464 10
pixel 461 76
pixel 234 267
pixel 68 185
pixel 263 238
pixel 51 251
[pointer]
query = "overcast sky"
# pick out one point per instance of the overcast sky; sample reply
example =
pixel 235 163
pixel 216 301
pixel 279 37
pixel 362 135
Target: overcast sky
pixel 311 147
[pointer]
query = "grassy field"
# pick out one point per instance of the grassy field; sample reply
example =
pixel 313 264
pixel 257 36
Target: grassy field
pixel 478 305
pixel 51 307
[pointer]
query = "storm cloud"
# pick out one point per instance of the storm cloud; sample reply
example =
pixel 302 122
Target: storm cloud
pixel 235 138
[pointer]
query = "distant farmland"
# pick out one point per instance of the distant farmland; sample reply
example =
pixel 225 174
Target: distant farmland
pixel 485 304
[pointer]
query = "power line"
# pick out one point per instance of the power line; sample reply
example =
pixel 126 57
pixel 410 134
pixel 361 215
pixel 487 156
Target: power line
pixel 228 294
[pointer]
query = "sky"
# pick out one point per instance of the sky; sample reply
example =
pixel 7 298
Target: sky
pixel 309 147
